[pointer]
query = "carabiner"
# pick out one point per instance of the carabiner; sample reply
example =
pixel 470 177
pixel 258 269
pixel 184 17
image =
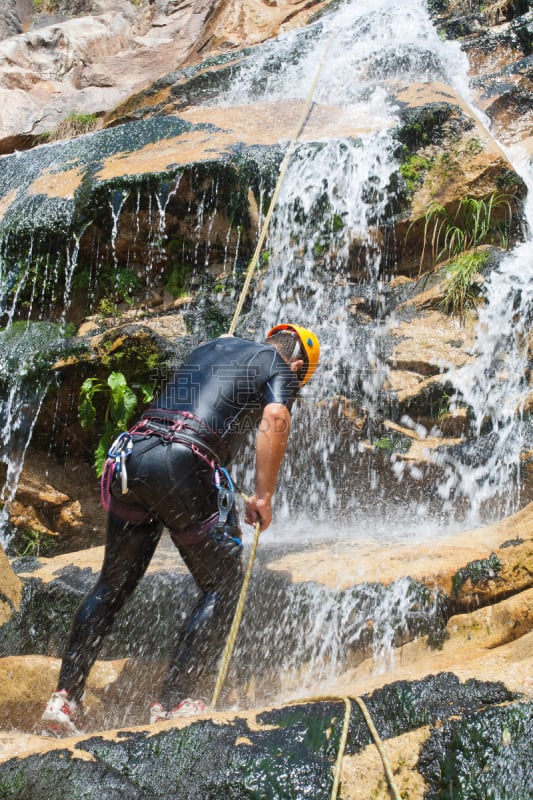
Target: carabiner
pixel 225 504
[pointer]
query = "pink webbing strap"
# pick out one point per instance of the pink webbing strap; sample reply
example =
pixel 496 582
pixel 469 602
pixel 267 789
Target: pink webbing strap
pixel 105 482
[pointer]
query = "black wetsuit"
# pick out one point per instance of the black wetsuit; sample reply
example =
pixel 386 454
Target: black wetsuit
pixel 219 394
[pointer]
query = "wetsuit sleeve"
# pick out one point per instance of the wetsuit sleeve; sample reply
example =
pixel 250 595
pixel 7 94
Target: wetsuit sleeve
pixel 282 385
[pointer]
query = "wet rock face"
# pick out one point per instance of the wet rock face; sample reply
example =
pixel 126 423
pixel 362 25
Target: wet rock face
pixel 498 40
pixel 485 753
pixel 11 591
pixel 286 753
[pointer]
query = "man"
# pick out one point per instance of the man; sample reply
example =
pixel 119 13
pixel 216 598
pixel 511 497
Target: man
pixel 170 471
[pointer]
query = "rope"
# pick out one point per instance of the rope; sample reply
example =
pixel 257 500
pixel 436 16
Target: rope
pixel 342 747
pixel 283 170
pixel 395 794
pixel 379 744
pixel 232 636
pixel 230 644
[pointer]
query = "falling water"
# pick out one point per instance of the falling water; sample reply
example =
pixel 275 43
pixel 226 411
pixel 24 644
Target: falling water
pixel 337 193
pixel 336 196
pixel 22 398
pixel 496 385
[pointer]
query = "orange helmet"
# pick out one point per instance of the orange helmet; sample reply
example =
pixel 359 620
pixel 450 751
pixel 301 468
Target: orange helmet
pixel 310 346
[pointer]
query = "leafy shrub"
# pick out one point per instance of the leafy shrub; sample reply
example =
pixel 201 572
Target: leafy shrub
pixel 118 401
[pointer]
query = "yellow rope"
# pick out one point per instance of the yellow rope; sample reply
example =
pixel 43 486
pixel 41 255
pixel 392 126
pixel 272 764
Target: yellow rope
pixel 342 747
pixel 377 741
pixel 230 644
pixel 395 794
pixel 232 636
pixel 283 170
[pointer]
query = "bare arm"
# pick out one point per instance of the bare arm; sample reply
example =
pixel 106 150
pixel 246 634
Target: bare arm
pixel 271 442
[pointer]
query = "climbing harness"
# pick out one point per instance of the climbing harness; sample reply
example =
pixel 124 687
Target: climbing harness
pixel 180 427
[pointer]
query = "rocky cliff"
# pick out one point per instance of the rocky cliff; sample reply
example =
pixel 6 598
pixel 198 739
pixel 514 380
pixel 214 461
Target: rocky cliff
pixel 103 104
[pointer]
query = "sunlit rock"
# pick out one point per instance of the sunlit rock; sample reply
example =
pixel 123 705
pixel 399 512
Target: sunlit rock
pixel 11 592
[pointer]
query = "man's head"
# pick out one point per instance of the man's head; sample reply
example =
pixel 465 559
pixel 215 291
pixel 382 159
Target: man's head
pixel 296 344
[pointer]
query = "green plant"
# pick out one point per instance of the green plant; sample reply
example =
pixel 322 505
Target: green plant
pixel 178 281
pixel 444 407
pixel 462 292
pixel 394 442
pixel 318 248
pixel 45 6
pixel 413 169
pixel 474 147
pixel 77 122
pixel 126 284
pixel 473 224
pixel 31 542
pixel 119 402
pixel 106 307
pixel 337 223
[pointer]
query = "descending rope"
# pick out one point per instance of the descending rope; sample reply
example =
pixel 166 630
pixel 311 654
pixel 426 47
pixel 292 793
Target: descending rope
pixel 342 747
pixel 230 644
pixel 379 744
pixel 282 172
pixel 232 636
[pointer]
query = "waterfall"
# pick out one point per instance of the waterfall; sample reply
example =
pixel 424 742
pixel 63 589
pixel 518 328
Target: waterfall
pixel 336 198
pixel 337 192
pixel 496 385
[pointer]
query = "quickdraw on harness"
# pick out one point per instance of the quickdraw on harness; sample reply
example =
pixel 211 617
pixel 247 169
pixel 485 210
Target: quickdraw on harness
pixel 115 465
pixel 227 522
pixel 119 451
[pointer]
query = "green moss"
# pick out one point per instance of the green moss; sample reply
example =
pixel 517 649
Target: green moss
pixel 424 125
pixel 482 755
pixel 414 169
pixel 394 442
pixel 479 571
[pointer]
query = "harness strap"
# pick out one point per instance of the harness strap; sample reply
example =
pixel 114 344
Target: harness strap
pixel 180 427
pixel 180 435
